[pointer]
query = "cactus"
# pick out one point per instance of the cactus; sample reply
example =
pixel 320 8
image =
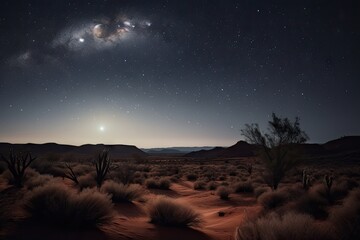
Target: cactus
pixel 328 181
pixel 102 165
pixel 305 179
pixel 71 174
pixel 17 164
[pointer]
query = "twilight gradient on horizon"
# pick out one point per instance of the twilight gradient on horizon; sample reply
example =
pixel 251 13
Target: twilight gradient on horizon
pixel 176 73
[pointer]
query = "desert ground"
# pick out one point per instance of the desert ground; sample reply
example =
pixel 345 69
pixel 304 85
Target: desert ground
pixel 177 197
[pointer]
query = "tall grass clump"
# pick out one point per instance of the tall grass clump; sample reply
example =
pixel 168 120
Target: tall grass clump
pixel 244 187
pixel 158 183
pixel 56 204
pixel 346 218
pixel 169 212
pixel 122 193
pixel 275 227
pixel 223 192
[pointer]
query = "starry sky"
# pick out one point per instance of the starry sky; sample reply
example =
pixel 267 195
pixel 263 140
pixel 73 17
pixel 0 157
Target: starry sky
pixel 176 73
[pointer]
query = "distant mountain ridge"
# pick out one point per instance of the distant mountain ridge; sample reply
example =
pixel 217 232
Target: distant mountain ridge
pixel 240 149
pixel 349 144
pixel 116 151
pixel 175 150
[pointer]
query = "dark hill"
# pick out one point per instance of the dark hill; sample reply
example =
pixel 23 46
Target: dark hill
pixel 212 153
pixel 116 151
pixel 240 149
pixel 344 144
pixel 341 146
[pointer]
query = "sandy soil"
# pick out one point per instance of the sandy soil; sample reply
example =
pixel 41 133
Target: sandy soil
pixel 131 221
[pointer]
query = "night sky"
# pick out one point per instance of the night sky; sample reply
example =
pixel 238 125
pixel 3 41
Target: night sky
pixel 176 73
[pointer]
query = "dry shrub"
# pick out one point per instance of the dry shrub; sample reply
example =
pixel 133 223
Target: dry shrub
pixel 55 203
pixel 38 180
pixel 339 190
pixel 48 166
pixel 122 193
pixel 223 192
pixel 191 177
pixel 82 169
pixel 313 204
pixel 243 187
pixel 158 183
pixel 260 190
pixel 164 183
pixel 273 199
pixel 346 218
pixel 199 185
pixel 3 167
pixel 212 185
pixel 274 227
pixel 87 181
pixel 151 183
pixel 169 212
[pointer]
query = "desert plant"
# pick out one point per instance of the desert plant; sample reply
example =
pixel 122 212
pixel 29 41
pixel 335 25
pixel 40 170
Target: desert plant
pixel 17 165
pixel 199 185
pixel 71 174
pixel 102 166
pixel 124 172
pixel 122 193
pixel 169 212
pixel 212 185
pixel 54 203
pixel 243 187
pixel 278 147
pixel 192 177
pixel 87 181
pixel 158 183
pixel 346 218
pixel 258 191
pixel 273 199
pixel 289 226
pixel 164 183
pixel 38 180
pixel 328 181
pixel 223 192
pixel 249 168
pixel 305 179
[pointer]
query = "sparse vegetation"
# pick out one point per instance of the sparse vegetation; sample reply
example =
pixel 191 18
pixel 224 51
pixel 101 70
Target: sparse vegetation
pixel 169 212
pixel 158 183
pixel 278 147
pixel 305 179
pixel 102 166
pixel 199 185
pixel 243 187
pixel 71 174
pixel 274 227
pixel 122 193
pixel 55 203
pixel 17 165
pixel 223 192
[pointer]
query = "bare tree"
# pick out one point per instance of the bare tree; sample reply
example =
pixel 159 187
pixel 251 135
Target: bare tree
pixel 17 164
pixel 278 145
